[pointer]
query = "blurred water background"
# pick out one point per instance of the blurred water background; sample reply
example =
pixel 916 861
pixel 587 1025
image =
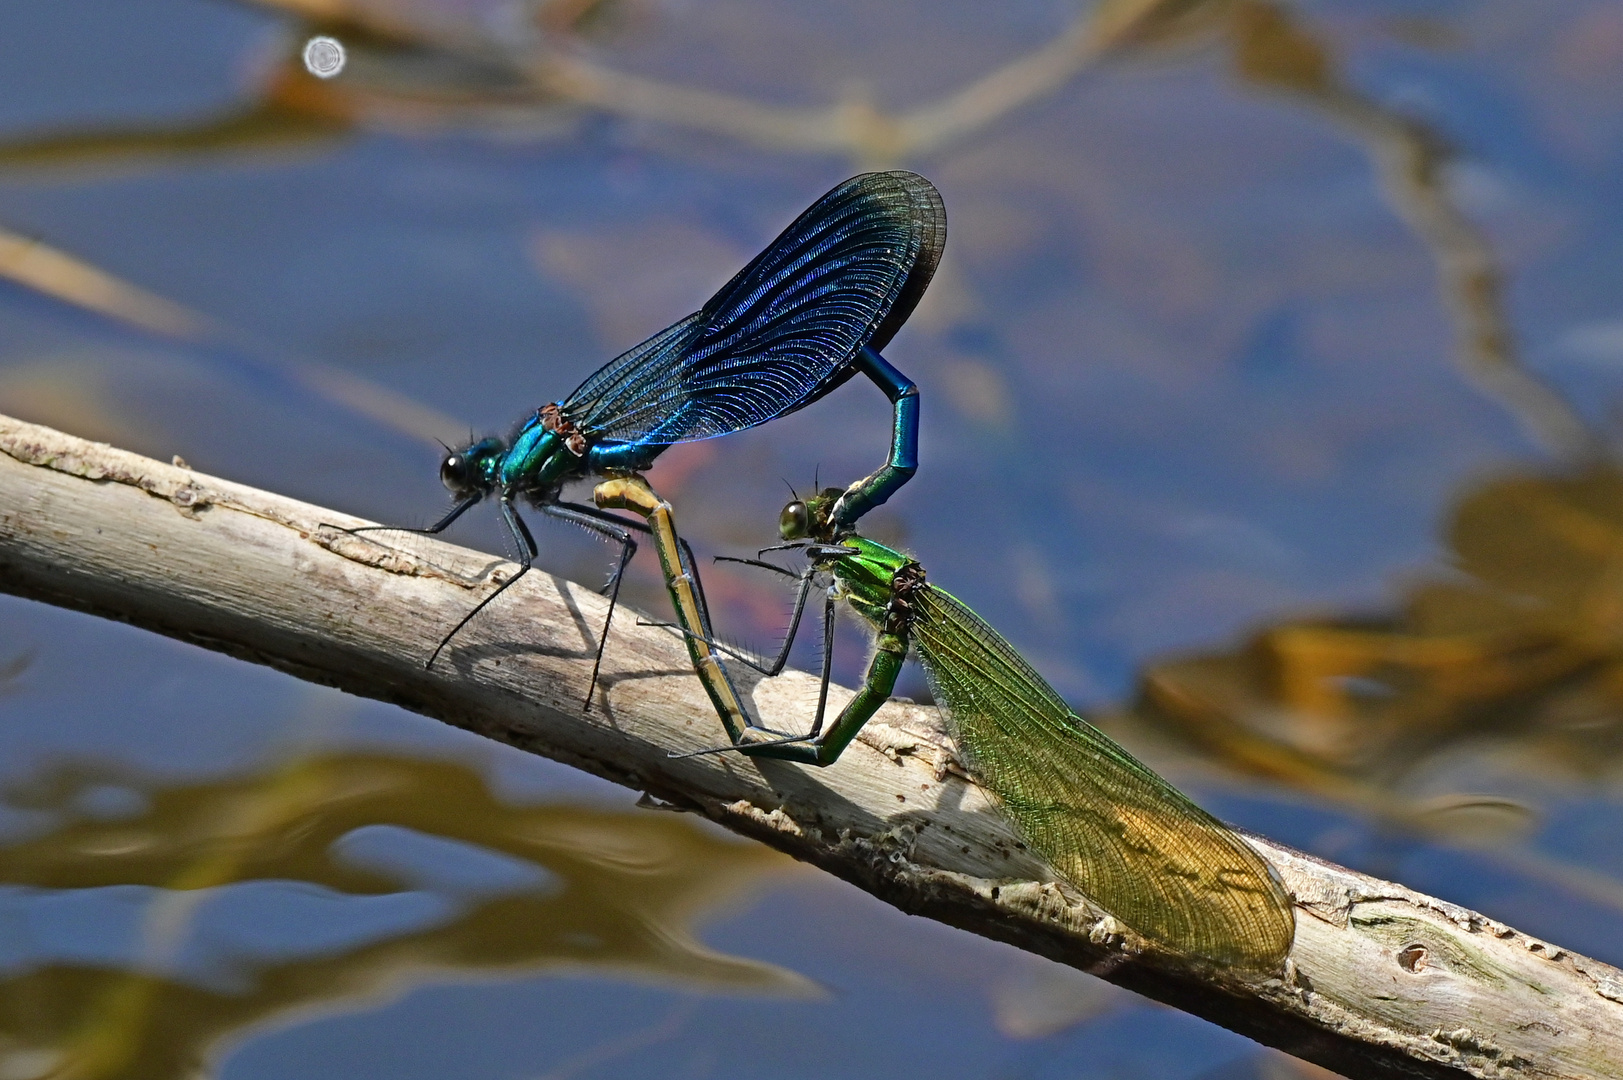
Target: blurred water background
pixel 1270 406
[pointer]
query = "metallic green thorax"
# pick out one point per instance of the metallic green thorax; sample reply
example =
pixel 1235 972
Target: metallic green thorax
pixel 866 577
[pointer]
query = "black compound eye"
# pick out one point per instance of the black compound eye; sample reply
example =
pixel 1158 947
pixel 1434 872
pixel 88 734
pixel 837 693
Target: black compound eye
pixel 795 521
pixel 454 473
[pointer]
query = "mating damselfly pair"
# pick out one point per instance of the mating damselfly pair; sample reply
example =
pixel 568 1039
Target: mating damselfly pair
pixel 808 313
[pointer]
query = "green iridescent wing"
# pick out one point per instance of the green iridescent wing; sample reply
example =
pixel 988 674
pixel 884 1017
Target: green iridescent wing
pixel 1118 832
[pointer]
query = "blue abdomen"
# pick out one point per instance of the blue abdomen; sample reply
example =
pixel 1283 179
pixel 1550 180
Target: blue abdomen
pixel 629 456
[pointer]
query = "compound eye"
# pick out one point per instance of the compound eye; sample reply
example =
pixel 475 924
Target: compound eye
pixel 795 521
pixel 454 473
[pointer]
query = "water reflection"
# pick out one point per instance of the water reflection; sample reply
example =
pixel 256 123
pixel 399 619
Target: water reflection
pixel 415 61
pixel 1506 671
pixel 1184 371
pixel 321 883
pixel 1273 49
pixel 480 67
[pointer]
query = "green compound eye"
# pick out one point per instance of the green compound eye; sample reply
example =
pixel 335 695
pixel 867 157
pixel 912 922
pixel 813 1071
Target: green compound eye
pixel 795 521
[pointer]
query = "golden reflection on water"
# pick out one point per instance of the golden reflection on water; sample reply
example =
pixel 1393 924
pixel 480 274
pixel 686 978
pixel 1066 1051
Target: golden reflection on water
pixel 623 892
pixel 1515 659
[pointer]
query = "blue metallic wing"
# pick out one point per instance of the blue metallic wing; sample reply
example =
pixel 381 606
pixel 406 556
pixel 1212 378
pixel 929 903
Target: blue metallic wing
pixel 783 332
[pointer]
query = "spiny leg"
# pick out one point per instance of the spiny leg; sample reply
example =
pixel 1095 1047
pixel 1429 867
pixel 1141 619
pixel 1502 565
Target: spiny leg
pixel 527 551
pixel 642 527
pixel 614 529
pixel 751 747
pixel 817 747
pixel 755 747
pixel 777 665
pixel 762 563
pixel 438 527
pixel 801 594
pixel 889 655
pixel 810 749
pixel 828 663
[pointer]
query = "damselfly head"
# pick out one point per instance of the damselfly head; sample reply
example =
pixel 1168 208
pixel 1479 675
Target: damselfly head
pixel 471 470
pixel 809 518
pixel 795 521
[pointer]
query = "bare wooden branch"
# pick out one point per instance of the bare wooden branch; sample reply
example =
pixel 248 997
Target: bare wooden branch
pixel 1382 981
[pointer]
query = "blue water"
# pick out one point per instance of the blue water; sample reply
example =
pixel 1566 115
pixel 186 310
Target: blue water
pixel 1187 372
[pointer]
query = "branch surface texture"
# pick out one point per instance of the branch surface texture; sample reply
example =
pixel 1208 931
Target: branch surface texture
pixel 1382 981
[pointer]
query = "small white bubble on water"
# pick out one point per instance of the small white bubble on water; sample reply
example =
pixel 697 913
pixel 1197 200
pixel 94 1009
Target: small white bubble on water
pixel 323 57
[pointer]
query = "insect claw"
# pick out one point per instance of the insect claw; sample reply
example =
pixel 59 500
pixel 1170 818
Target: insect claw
pixel 702 753
pixel 746 747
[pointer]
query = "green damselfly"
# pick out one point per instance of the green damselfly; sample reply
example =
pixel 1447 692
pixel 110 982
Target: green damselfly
pixel 1103 821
